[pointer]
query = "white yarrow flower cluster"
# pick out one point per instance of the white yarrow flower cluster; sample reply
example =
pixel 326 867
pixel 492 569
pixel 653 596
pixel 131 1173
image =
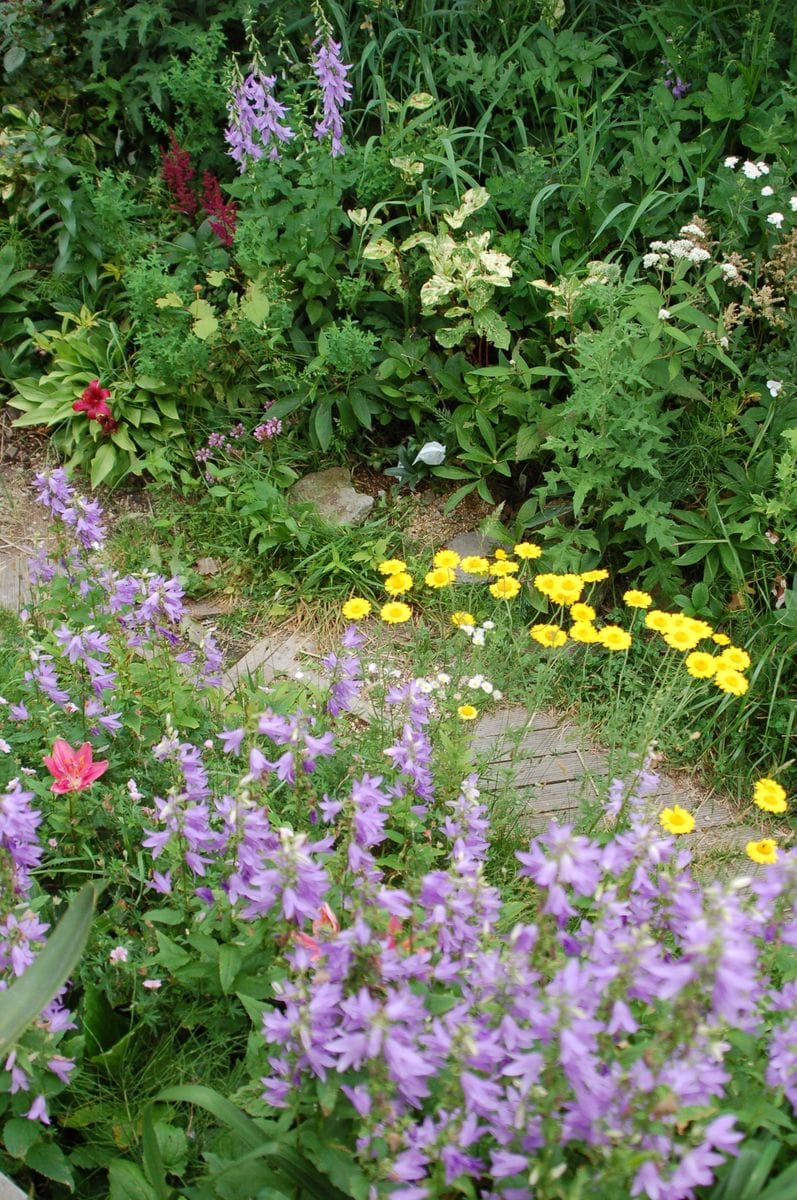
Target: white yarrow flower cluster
pixel 751 170
pixel 683 249
pixel 476 633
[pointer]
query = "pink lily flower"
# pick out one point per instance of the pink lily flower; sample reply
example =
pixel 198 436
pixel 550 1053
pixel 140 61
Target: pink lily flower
pixel 73 770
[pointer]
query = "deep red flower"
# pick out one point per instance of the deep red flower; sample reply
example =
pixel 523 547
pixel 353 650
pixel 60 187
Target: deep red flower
pixel 93 402
pixel 177 173
pixel 223 213
pixel 73 770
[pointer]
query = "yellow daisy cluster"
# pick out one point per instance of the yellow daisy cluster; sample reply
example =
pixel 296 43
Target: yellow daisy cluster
pixel 685 633
pixel 769 796
pixel 566 590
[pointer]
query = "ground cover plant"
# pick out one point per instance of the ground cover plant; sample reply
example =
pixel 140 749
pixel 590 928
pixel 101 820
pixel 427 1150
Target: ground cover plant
pixel 537 257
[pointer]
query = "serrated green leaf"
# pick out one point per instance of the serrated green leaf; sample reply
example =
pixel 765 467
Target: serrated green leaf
pixel 49 1160
pixel 19 1134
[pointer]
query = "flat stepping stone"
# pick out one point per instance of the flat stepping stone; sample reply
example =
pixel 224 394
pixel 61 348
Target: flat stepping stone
pixel 271 657
pixel 332 495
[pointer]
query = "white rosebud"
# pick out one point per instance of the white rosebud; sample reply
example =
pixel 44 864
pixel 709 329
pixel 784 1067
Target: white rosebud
pixel 775 219
pixel 774 386
pixel 432 453
pixel 767 191
pixel 664 314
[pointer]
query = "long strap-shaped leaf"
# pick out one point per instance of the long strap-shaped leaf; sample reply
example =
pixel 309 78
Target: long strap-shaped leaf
pixel 286 1160
pixel 24 1000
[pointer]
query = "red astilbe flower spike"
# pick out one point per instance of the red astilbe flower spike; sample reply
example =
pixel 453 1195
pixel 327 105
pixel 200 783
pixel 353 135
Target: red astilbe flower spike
pixel 222 213
pixel 73 770
pixel 93 402
pixel 177 173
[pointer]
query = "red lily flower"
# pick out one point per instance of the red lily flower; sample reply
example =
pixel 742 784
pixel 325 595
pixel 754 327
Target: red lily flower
pixel 73 770
pixel 92 402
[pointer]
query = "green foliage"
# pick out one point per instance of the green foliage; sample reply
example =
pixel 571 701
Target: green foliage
pixel 87 347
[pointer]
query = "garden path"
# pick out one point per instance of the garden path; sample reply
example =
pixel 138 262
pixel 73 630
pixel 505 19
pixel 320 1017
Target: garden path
pixel 547 765
pixel 542 760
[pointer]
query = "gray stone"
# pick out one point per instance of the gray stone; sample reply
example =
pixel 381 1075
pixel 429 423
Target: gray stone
pixel 9 1190
pixel 470 543
pixel 270 657
pixel 331 493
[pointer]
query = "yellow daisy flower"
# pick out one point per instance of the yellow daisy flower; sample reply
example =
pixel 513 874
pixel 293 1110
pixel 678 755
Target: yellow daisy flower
pixel 676 820
pixel 446 558
pixel 770 796
pixel 614 638
pixel 728 680
pixel 499 553
pixel 356 608
pixel 567 589
pixel 505 589
pixel 721 639
pixel 399 583
pixel 462 618
pixel 466 712
pixel 395 613
pixel 548 635
pixel 440 577
pixel 584 631
pixel 733 657
pixel 635 599
pixel 544 583
pixel 582 612
pixel 504 566
pixel 679 638
pixel 391 566
pixel 701 665
pixel 527 550
pixel 596 576
pixel 474 564
pixel 764 852
pixel 658 620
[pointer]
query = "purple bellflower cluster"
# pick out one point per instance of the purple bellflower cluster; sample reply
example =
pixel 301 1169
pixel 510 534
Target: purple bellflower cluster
pixel 467 1047
pixel 257 120
pixel 34 1062
pixel 331 72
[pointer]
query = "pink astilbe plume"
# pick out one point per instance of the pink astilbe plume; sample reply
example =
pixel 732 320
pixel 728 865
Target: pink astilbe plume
pixel 73 770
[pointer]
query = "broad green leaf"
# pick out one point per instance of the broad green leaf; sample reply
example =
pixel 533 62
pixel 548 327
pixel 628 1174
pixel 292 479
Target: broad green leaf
pixel 103 463
pixel 128 1182
pixel 205 322
pixel 19 1134
pixel 49 1160
pixel 170 300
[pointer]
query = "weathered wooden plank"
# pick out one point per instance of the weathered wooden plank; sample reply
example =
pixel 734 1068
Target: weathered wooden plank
pixel 14 587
